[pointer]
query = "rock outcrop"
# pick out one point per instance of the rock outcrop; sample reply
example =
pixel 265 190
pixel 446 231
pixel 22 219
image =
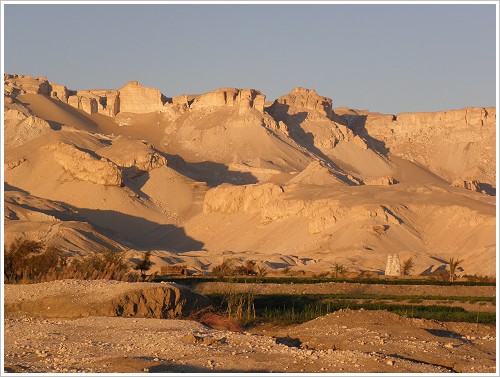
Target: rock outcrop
pixel 308 119
pixel 59 91
pixel 245 99
pixel 85 103
pixel 128 153
pixel 269 201
pixel 472 185
pixel 85 166
pixel 379 181
pixel 135 98
pixel 455 144
pixel 21 127
pixel 107 102
pixel 307 99
pixel 15 85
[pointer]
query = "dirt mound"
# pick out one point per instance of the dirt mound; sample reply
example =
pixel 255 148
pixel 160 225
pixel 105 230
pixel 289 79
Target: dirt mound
pixel 78 298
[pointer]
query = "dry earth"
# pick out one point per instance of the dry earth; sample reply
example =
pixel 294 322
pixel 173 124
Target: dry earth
pixel 344 341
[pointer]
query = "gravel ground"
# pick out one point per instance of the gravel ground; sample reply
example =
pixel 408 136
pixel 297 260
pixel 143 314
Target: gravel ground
pixel 344 341
pixel 347 288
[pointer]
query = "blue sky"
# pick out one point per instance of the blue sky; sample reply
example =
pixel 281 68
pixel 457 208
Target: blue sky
pixel 386 58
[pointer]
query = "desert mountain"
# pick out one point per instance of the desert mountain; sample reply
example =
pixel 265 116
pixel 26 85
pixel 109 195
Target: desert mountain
pixel 201 178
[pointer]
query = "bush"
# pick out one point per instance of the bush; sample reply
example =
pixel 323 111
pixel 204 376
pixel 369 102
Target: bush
pixel 223 269
pixel 246 269
pixel 28 261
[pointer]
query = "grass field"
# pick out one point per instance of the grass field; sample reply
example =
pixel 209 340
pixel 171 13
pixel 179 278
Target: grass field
pixel 192 280
pixel 288 309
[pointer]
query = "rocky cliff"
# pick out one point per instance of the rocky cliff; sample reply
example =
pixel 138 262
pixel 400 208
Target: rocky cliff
pixel 455 144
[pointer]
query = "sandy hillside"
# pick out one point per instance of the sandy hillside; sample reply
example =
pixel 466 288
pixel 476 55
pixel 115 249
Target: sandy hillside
pixel 196 179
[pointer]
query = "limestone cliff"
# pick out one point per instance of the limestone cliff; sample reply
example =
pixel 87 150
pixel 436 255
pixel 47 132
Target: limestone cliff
pixel 244 99
pixel 135 98
pixel 455 144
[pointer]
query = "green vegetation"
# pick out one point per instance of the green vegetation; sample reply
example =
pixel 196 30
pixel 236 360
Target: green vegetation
pixel 192 280
pixel 287 309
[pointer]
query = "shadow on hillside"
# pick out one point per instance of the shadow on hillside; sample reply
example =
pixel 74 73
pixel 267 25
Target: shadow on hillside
pixel 488 189
pixel 138 232
pixel 357 123
pixel 132 231
pixel 212 173
pixel 8 187
pixel 305 139
pixel 135 179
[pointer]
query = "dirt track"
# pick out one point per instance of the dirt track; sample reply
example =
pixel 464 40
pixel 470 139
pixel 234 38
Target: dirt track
pixel 347 288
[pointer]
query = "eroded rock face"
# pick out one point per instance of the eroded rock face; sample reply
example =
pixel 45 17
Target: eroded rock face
pixel 21 127
pixel 307 99
pixel 59 91
pixel 472 185
pixel 135 98
pixel 227 198
pixel 126 152
pixel 379 181
pixel 431 138
pixel 245 99
pixel 107 102
pixel 20 84
pixel 268 201
pixel 85 103
pixel 85 166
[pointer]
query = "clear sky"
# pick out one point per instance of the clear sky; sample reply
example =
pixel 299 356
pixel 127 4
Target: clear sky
pixel 386 58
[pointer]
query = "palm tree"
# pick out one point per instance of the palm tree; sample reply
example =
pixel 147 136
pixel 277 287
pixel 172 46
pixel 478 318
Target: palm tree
pixel 338 270
pixel 407 266
pixel 453 267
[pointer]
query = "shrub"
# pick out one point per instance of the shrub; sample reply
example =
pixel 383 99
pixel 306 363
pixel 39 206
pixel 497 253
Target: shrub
pixel 223 269
pixel 28 261
pixel 240 306
pixel 246 269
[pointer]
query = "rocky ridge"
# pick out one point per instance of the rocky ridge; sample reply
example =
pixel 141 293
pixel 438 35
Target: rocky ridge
pixel 311 185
